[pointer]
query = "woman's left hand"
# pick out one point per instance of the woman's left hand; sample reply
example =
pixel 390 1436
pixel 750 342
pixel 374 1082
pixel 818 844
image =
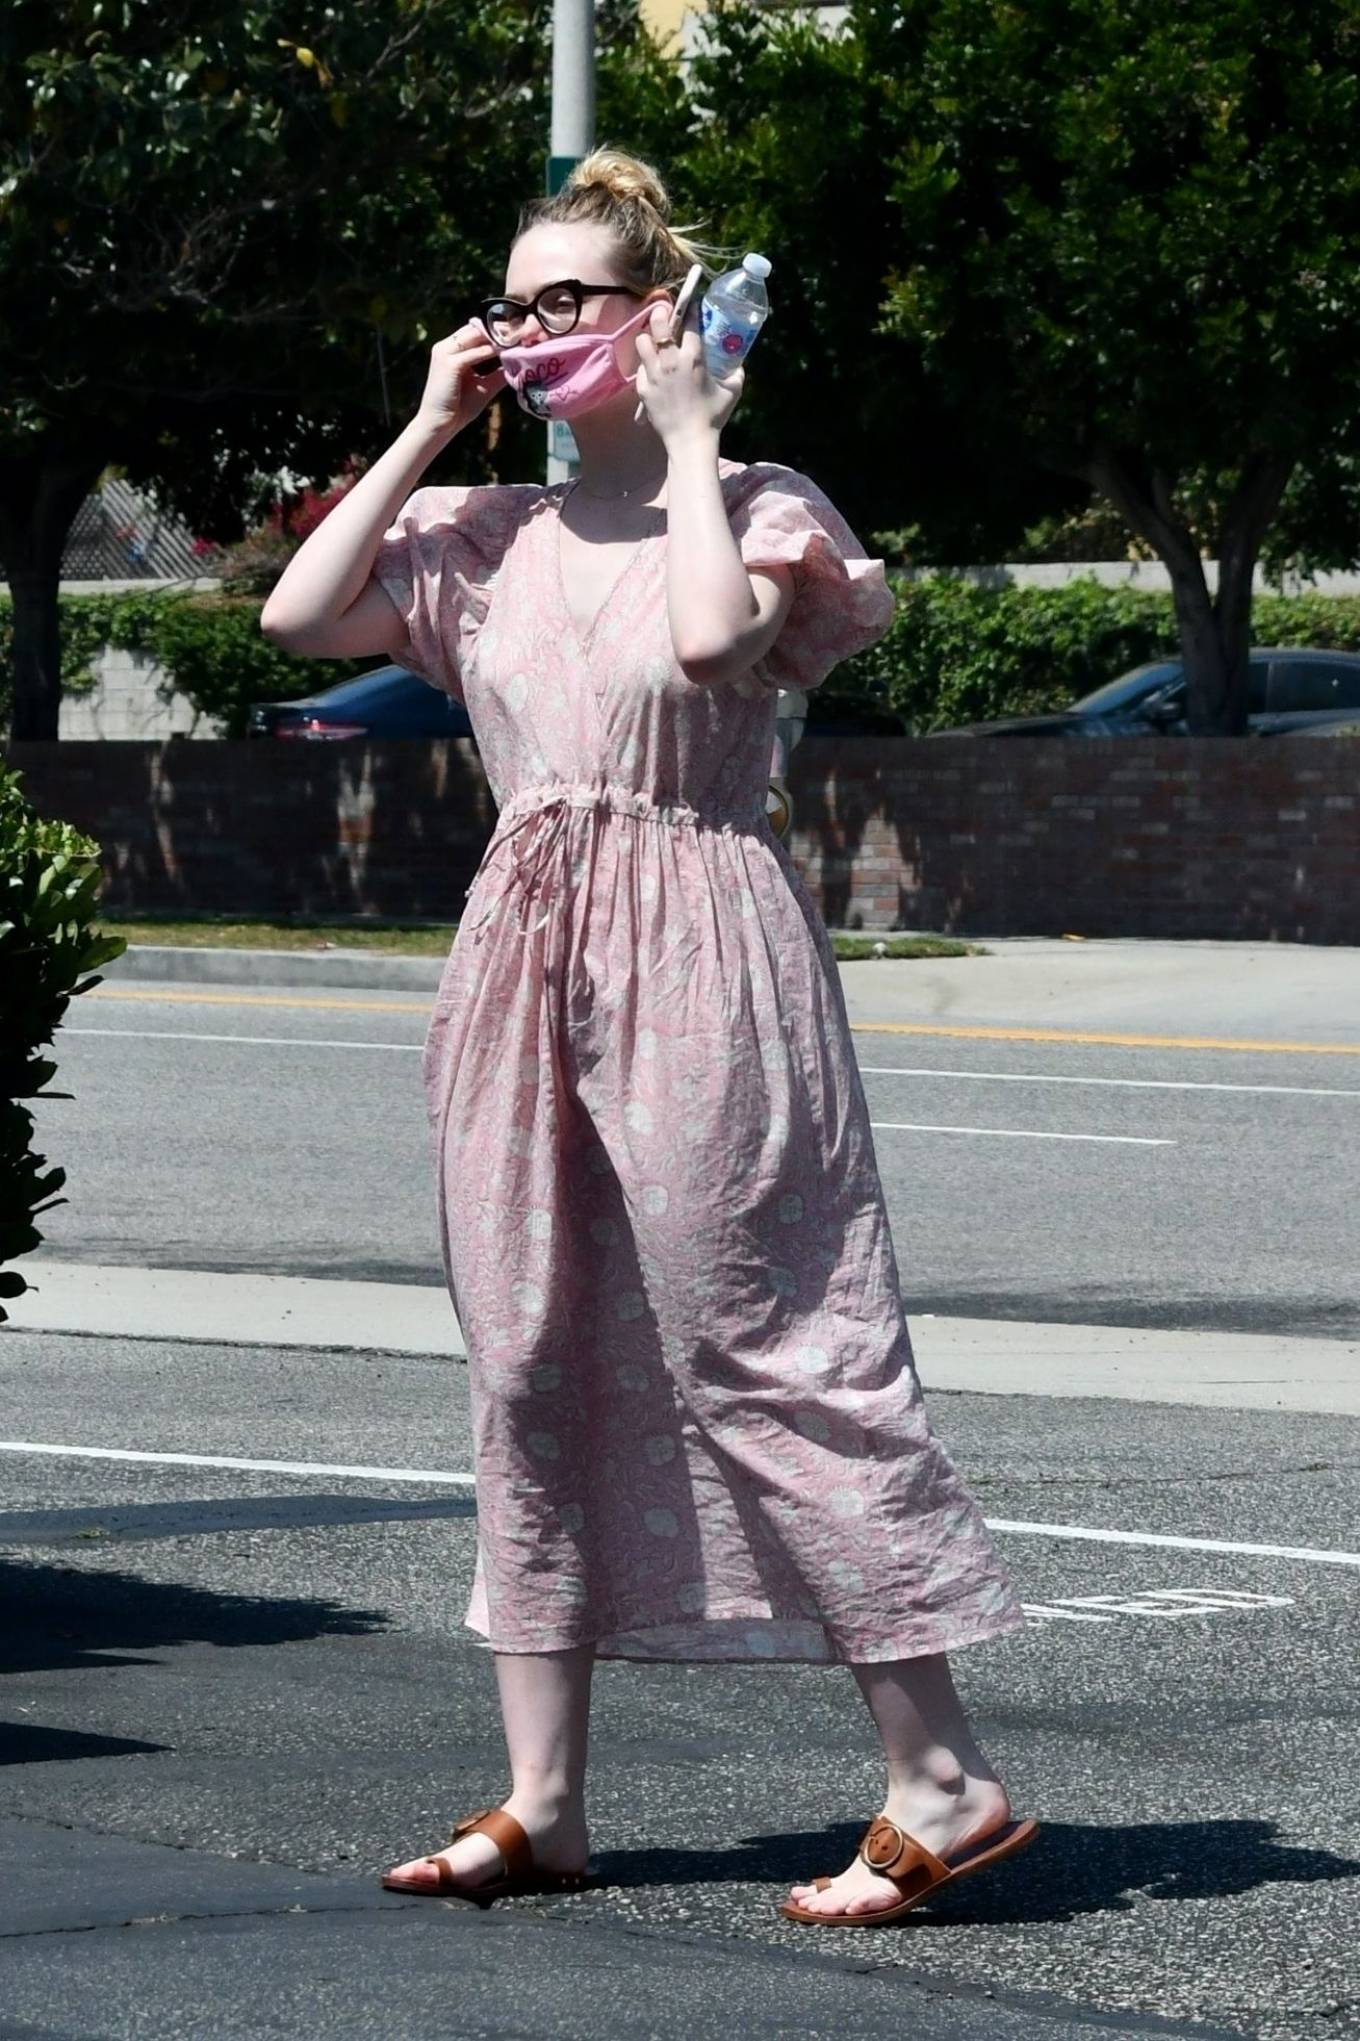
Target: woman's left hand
pixel 677 391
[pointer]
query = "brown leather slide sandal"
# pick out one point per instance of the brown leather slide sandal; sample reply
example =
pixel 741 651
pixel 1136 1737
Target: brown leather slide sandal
pixel 916 1871
pixel 521 1873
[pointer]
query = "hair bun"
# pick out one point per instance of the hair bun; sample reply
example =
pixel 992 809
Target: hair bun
pixel 625 178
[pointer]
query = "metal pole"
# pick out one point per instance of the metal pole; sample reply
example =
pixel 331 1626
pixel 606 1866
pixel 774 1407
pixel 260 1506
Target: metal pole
pixel 572 137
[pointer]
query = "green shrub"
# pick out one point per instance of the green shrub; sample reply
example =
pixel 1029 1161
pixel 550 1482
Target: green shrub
pixel 960 653
pixel 49 880
pixel 209 646
pixel 955 653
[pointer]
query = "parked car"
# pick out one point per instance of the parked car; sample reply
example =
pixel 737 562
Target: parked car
pixel 1289 689
pixel 390 701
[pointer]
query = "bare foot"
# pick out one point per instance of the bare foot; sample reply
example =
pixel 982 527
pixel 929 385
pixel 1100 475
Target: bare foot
pixel 942 1821
pixel 558 1836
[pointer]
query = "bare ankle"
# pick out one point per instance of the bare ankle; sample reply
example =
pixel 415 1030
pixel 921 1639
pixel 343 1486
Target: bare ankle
pixel 930 1773
pixel 550 1799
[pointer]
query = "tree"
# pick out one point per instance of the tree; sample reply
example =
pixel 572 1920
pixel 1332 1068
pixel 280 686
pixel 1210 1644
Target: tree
pixel 1137 228
pixel 792 154
pixel 227 240
pixel 1119 239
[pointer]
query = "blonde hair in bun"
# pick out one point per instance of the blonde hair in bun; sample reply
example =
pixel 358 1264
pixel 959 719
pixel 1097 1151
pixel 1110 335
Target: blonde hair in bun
pixel 610 188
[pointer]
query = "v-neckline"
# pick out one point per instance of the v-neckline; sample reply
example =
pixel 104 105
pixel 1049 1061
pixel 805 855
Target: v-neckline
pixel 584 639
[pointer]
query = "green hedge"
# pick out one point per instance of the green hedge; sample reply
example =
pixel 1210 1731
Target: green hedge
pixel 209 646
pixel 956 653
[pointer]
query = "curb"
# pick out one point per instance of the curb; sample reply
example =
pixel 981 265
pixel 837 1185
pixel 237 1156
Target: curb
pixel 958 1356
pixel 360 972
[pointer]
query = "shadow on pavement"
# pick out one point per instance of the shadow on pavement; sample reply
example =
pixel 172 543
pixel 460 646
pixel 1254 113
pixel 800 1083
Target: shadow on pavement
pixel 56 1618
pixel 187 1518
pixel 29 1743
pixel 1068 1871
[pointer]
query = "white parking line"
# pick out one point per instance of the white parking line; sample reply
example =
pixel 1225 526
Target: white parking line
pixel 1154 1601
pixel 1313 1555
pixel 1021 1134
pixel 422 1474
pixel 1317 1556
pixel 1127 1083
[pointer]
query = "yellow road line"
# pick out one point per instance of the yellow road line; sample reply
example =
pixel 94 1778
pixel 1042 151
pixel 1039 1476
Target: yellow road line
pixel 301 999
pixel 982 1034
pixel 1080 1037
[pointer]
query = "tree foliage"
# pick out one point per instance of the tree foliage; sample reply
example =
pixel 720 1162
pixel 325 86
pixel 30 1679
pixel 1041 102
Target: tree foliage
pixel 1022 252
pixel 227 239
pixel 1119 239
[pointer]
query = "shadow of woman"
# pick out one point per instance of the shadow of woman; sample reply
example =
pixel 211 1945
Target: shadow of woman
pixel 58 1618
pixel 1070 1870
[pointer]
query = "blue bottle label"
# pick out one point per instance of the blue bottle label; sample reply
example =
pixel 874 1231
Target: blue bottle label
pixel 722 337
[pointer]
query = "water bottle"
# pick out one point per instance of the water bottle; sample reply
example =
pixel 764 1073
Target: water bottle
pixel 735 307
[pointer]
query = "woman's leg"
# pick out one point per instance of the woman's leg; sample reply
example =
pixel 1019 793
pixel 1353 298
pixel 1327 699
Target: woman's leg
pixel 941 1788
pixel 545 1707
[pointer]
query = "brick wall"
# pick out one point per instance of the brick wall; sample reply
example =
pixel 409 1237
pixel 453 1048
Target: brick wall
pixel 1222 837
pixel 272 828
pixel 1254 838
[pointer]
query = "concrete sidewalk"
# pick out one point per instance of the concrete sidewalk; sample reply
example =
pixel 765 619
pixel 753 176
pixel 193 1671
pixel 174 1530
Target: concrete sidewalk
pixel 1276 993
pixel 1005 1357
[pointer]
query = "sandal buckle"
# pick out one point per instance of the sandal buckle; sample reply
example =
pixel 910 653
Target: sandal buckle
pixel 884 1844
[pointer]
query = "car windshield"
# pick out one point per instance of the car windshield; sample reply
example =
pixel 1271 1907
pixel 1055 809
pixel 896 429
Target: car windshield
pixel 1128 689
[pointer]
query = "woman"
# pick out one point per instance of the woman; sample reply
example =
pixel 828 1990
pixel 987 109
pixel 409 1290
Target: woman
pixel 698 1431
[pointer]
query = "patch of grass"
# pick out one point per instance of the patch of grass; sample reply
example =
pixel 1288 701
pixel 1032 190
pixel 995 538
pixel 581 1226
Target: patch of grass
pixel 854 949
pixel 430 939
pixel 397 939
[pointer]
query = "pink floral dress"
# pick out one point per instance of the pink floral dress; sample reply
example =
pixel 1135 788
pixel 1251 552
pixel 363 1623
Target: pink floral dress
pixel 698 1430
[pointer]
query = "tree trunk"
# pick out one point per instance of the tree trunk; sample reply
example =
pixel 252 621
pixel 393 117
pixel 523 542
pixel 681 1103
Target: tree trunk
pixel 39 498
pixel 1214 633
pixel 1246 520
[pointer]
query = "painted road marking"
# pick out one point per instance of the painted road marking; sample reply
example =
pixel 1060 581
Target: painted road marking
pixel 246 1466
pixel 307 1001
pixel 312 1000
pixel 1313 1555
pixel 1026 1077
pixel 415 1048
pixel 866 1069
pixel 996 1034
pixel 251 1041
pixel 1156 1601
pixel 1022 1134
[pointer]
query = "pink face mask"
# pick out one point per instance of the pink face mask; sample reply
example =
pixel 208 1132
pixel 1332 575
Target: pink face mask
pixel 573 373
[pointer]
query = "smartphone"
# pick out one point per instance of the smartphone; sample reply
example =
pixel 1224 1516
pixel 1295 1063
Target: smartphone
pixel 685 300
pixel 681 312
pixel 486 368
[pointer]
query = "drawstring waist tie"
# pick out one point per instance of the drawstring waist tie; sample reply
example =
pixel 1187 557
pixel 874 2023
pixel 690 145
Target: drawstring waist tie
pixel 534 825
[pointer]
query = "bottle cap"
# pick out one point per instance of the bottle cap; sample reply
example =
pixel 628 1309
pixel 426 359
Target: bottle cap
pixel 757 266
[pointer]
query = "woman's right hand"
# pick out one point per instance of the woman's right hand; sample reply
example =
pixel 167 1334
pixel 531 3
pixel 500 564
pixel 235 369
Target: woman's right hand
pixel 453 395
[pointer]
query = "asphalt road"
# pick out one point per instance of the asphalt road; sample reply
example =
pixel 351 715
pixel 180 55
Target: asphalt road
pixel 230 1129
pixel 235 1696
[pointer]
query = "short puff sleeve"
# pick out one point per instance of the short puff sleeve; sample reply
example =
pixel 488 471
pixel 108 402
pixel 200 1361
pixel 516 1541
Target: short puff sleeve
pixel 842 602
pixel 436 562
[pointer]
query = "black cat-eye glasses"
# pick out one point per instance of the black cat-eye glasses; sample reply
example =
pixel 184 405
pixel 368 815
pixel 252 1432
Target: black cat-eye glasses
pixel 557 307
